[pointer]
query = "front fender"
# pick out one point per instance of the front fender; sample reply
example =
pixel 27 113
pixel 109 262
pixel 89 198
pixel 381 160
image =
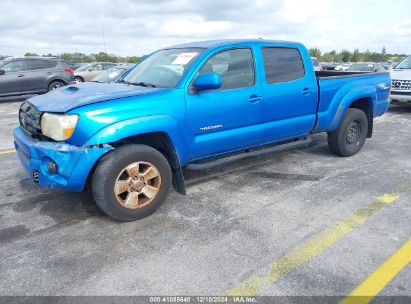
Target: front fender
pixel 143 125
pixel 339 106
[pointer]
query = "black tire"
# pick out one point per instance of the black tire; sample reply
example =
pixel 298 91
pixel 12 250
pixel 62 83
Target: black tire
pixel 350 135
pixel 78 79
pixel 55 85
pixel 108 170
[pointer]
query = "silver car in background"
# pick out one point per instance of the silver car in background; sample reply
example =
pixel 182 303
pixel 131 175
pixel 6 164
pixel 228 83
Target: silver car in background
pixel 317 66
pixel 88 71
pixel 401 81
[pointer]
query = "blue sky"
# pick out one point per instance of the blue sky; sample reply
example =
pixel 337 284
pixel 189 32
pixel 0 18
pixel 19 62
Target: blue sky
pixel 139 27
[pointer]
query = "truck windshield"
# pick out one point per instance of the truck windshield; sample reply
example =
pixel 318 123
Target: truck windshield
pixel 405 64
pixel 163 69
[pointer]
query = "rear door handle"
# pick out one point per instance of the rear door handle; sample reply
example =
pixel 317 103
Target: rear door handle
pixel 306 91
pixel 20 75
pixel 254 98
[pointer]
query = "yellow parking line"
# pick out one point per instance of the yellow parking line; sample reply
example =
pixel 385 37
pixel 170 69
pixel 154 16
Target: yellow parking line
pixel 373 285
pixel 317 245
pixel 7 151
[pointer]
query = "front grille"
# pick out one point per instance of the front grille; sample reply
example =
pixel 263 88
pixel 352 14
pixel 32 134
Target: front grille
pixel 29 118
pixel 401 84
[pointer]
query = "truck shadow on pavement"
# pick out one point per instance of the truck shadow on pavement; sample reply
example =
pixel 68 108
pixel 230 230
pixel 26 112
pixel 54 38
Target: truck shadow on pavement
pixel 400 108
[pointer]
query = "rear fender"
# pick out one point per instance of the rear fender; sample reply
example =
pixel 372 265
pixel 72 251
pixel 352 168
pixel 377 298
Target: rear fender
pixel 368 92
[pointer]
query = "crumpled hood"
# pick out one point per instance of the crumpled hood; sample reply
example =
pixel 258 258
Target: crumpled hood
pixel 73 96
pixel 401 74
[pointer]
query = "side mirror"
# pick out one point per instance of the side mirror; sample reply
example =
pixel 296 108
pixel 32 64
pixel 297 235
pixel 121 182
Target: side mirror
pixel 90 70
pixel 2 71
pixel 207 81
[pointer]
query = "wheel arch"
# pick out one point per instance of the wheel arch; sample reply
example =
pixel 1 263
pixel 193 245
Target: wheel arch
pixel 365 104
pixel 160 141
pixel 169 140
pixel 363 98
pixel 50 81
pixel 79 76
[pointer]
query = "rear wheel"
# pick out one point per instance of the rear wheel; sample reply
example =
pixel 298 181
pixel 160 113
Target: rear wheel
pixel 350 135
pixel 55 85
pixel 131 182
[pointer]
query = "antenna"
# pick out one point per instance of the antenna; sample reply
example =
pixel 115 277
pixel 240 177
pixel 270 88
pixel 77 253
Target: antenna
pixel 102 32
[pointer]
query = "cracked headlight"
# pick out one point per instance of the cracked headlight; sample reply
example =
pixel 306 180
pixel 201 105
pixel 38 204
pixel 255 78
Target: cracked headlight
pixel 58 127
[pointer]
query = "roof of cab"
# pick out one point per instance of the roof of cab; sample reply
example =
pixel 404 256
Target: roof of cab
pixel 228 42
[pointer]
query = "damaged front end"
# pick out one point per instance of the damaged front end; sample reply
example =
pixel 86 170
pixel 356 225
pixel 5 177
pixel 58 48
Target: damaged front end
pixel 55 164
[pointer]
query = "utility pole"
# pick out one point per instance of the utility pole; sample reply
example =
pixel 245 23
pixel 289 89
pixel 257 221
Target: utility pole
pixel 102 32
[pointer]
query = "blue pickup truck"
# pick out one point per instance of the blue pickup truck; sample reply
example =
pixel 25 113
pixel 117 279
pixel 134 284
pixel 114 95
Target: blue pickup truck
pixel 190 104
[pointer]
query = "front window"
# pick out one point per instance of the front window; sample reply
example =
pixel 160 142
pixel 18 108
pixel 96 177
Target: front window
pixel 235 66
pixel 14 66
pixel 164 68
pixel 83 67
pixel 405 64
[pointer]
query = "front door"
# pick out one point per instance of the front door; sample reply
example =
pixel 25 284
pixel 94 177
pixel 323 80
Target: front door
pixel 225 119
pixel 13 80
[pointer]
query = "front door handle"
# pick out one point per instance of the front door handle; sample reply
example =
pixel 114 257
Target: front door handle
pixel 254 98
pixel 306 91
pixel 20 75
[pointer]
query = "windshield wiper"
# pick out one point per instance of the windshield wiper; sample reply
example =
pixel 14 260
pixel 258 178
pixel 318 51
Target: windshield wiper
pixel 123 81
pixel 141 83
pixel 144 84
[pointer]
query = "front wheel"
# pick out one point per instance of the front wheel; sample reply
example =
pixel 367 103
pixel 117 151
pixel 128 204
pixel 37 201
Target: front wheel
pixel 350 135
pixel 78 79
pixel 131 182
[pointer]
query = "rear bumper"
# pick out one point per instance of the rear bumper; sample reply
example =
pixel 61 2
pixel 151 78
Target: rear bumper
pixel 73 163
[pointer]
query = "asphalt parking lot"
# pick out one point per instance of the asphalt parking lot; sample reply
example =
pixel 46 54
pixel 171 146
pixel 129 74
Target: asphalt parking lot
pixel 302 222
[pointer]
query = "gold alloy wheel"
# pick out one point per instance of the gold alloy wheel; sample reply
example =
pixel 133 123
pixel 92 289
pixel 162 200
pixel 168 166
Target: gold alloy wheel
pixel 137 185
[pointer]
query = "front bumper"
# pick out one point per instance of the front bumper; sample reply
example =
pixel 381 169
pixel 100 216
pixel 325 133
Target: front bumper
pixel 400 96
pixel 73 163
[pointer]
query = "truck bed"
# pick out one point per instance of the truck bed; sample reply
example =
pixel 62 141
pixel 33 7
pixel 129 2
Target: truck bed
pixel 342 74
pixel 337 89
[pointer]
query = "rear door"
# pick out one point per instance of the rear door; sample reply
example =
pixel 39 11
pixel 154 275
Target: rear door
pixel 38 73
pixel 13 80
pixel 225 119
pixel 290 93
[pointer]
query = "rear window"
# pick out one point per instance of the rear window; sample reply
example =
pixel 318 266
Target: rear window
pixel 361 67
pixel 282 64
pixel 315 62
pixel 34 64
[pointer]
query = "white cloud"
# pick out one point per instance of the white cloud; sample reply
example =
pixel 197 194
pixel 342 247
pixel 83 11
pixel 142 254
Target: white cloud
pixel 136 27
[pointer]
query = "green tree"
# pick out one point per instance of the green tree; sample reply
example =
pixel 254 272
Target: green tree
pixel 356 56
pixel 315 52
pixel 346 55
pixel 134 59
pixel 30 54
pixel 105 57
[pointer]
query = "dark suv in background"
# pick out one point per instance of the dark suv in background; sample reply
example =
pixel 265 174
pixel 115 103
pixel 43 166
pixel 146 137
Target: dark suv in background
pixel 27 76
